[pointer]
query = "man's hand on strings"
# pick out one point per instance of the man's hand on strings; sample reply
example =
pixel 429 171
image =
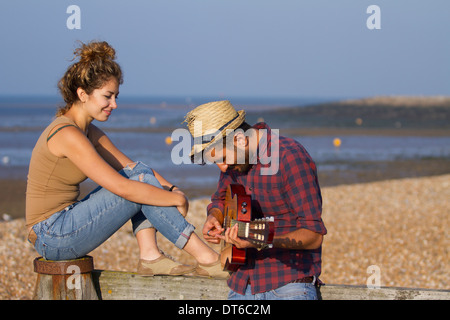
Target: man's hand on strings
pixel 231 236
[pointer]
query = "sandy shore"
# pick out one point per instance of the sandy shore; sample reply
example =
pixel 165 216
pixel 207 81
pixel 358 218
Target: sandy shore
pixel 398 225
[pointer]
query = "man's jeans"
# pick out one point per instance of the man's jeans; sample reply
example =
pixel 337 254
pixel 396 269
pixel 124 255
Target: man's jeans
pixel 291 291
pixel 81 227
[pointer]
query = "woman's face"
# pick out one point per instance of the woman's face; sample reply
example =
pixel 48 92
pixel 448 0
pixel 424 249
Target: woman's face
pixel 101 102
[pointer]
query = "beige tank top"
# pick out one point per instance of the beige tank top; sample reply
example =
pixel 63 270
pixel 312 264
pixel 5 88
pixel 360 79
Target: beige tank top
pixel 53 182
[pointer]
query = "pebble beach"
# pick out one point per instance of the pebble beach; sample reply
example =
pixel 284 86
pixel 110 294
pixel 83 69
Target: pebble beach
pixel 400 226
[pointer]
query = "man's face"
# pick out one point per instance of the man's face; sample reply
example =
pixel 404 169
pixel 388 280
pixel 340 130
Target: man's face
pixel 226 158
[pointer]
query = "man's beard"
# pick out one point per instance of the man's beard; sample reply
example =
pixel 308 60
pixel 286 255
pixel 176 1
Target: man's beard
pixel 242 168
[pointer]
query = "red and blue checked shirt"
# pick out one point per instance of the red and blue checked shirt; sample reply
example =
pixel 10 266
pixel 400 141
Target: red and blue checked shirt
pixel 292 196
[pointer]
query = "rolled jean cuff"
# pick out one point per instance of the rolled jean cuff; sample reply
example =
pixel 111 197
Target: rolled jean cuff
pixel 140 222
pixel 184 236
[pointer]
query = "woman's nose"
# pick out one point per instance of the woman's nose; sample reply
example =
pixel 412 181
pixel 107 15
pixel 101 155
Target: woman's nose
pixel 113 103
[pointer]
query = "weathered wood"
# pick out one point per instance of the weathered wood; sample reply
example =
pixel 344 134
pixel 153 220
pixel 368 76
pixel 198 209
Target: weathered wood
pixel 64 280
pixel 347 292
pixel 114 285
pixel 54 287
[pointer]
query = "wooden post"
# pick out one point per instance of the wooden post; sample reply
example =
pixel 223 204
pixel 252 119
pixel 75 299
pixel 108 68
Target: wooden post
pixel 64 280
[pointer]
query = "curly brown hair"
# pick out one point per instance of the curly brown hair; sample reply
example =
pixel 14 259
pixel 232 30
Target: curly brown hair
pixel 96 66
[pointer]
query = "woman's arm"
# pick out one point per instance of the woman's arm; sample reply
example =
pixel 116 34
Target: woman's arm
pixel 106 149
pixel 166 184
pixel 73 144
pixel 116 158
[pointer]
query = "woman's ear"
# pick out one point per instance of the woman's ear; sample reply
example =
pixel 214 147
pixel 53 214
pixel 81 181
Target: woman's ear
pixel 82 95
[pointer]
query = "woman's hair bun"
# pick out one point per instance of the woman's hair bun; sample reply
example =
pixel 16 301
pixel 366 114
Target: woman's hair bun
pixel 95 51
pixel 96 66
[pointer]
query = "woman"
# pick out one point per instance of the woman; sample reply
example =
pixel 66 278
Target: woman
pixel 72 149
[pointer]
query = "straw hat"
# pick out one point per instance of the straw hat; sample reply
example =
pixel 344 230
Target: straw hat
pixel 208 123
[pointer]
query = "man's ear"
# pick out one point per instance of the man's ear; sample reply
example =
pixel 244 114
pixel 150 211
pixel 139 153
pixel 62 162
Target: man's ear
pixel 240 147
pixel 240 140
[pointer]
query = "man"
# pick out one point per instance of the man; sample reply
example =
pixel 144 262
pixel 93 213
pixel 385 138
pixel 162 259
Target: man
pixel 287 190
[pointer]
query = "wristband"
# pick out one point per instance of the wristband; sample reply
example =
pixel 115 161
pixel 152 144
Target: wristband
pixel 172 187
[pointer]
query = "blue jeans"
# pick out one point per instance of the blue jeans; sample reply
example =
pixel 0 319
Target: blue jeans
pixel 81 227
pixel 290 291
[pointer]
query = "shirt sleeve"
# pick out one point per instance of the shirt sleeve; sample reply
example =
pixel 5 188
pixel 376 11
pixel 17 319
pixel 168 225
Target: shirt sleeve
pixel 302 189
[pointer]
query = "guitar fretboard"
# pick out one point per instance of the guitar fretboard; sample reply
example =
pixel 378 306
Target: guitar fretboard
pixel 255 231
pixel 243 228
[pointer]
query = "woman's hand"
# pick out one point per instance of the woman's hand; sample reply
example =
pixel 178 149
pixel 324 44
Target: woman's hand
pixel 178 191
pixel 184 206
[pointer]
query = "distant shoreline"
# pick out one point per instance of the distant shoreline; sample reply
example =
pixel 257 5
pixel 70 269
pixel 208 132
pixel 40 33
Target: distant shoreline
pixel 306 131
pixel 186 101
pixel 399 101
pixel 358 131
pixel 416 115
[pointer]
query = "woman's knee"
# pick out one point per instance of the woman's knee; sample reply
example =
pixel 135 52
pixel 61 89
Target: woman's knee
pixel 146 178
pixel 136 168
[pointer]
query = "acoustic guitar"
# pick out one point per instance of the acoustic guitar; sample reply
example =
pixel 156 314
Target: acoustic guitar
pixel 238 210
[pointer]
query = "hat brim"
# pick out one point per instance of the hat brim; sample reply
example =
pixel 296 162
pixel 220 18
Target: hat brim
pixel 199 148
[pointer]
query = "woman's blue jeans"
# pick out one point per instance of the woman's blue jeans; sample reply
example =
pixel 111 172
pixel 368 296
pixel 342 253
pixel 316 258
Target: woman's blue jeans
pixel 81 227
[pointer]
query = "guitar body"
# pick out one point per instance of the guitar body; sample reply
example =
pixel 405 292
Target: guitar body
pixel 237 207
pixel 238 210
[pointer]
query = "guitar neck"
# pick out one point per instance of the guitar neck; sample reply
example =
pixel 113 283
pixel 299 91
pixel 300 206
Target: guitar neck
pixel 257 231
pixel 243 228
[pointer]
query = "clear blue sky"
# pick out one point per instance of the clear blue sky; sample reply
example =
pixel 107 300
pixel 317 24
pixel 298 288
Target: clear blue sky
pixel 263 48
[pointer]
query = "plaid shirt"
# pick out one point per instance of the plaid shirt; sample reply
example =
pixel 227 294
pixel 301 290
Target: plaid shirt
pixel 292 196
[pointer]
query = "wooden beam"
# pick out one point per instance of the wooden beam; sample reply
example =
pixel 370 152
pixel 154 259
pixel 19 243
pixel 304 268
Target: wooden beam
pixel 115 285
pixel 348 292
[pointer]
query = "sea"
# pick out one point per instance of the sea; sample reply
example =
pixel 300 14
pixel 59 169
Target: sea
pixel 142 128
